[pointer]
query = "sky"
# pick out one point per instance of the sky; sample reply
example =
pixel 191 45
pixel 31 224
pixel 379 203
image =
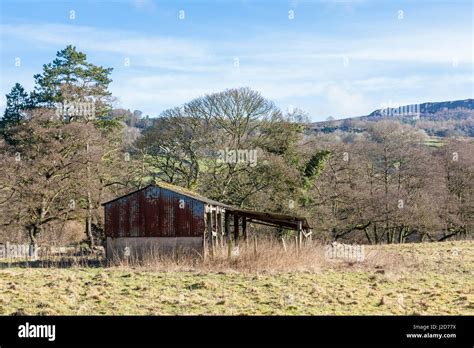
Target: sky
pixel 337 58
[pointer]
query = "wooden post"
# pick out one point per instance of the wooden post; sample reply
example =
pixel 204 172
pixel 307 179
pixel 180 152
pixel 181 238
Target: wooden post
pixel 204 245
pixel 227 226
pixel 255 244
pixel 244 227
pixel 219 226
pixel 209 232
pixel 227 232
pixel 214 226
pixel 300 234
pixel 236 228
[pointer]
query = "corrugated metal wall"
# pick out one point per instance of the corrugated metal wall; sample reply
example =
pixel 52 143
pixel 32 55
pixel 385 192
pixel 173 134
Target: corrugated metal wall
pixel 154 212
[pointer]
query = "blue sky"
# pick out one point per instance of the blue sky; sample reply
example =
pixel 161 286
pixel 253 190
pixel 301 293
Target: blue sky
pixel 335 58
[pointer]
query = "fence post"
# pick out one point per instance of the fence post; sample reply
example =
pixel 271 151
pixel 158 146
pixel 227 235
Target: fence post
pixel 33 252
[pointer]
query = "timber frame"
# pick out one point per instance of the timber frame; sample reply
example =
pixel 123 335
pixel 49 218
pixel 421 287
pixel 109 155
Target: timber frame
pixel 220 219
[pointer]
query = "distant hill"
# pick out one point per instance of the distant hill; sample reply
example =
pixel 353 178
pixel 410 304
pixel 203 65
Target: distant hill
pixel 448 118
pixel 425 110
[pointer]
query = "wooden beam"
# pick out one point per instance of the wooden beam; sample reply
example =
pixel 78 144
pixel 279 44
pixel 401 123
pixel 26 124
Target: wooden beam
pixel 270 225
pixel 279 223
pixel 244 227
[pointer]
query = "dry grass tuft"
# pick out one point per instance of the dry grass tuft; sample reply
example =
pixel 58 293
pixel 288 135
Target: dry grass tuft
pixel 269 256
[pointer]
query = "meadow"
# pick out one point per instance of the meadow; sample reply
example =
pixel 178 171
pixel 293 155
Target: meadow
pixel 408 279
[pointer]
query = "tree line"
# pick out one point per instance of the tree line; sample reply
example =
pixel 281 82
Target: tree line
pixel 64 150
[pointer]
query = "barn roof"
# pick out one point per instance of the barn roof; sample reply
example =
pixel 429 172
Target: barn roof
pixel 177 189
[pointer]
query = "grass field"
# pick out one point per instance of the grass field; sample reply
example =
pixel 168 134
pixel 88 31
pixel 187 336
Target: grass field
pixel 434 278
pixel 434 142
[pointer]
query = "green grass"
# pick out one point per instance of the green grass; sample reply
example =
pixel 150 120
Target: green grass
pixel 434 142
pixel 433 278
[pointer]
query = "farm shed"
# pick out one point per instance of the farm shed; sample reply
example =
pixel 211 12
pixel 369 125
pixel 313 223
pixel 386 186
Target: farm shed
pixel 162 217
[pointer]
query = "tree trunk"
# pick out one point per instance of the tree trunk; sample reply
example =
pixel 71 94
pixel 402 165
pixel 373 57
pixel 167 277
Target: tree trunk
pixel 367 235
pixel 32 235
pixel 89 233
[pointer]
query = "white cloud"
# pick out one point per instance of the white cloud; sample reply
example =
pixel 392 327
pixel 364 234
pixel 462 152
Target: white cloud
pixel 168 71
pixel 162 51
pixel 145 5
pixel 346 101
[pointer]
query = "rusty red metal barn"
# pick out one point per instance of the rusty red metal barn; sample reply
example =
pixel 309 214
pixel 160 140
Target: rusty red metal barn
pixel 163 217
